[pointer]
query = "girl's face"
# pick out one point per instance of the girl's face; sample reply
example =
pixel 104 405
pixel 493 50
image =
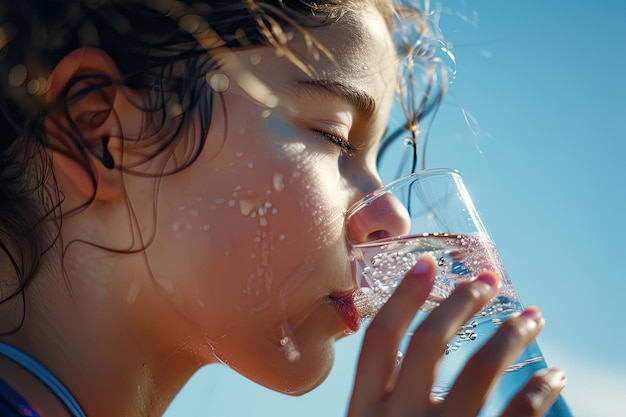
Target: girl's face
pixel 249 255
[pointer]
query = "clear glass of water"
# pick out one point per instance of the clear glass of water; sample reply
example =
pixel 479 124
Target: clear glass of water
pixel 440 220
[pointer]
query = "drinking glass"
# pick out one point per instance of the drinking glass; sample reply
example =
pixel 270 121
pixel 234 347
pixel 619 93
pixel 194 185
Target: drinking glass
pixel 445 224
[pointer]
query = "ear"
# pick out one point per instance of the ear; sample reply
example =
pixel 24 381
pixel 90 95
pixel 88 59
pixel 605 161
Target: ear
pixel 86 158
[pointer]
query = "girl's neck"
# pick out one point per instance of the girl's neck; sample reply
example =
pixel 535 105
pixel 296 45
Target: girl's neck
pixel 106 372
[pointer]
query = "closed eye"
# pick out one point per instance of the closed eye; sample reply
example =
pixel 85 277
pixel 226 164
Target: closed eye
pixel 343 144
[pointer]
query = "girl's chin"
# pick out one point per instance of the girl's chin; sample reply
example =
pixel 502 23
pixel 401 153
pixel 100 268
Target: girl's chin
pixel 307 373
pixel 291 375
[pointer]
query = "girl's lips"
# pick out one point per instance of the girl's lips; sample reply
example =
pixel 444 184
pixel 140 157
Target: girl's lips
pixel 345 307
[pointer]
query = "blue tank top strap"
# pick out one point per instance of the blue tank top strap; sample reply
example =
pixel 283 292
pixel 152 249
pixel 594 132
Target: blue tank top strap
pixel 45 376
pixel 13 404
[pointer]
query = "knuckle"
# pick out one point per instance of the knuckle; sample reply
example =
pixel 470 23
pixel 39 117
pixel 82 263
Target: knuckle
pixel 533 398
pixel 429 333
pixel 517 328
pixel 468 293
pixel 485 364
pixel 380 329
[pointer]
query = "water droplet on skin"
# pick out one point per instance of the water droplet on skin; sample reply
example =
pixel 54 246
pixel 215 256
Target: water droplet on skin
pixel 18 75
pixel 255 59
pixel 181 208
pixel 176 109
pixel 166 284
pixel 219 200
pixel 239 152
pixel 176 227
pixel 295 174
pixel 231 203
pixel 194 212
pixel 133 290
pixel 274 211
pixel 399 355
pixel 206 227
pixel 250 164
pixel 278 182
pixel 219 82
pixel 266 113
pixel 287 343
pixel 263 222
pixel 281 237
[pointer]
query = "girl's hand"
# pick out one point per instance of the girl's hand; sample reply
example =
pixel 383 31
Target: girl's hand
pixel 384 389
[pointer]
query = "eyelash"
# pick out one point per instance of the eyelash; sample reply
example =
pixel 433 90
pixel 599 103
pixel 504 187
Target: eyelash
pixel 345 146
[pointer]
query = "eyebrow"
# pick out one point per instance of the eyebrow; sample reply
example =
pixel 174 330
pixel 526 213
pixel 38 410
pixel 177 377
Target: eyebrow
pixel 363 102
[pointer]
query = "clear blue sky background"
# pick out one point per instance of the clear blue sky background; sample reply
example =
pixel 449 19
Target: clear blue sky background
pixel 545 82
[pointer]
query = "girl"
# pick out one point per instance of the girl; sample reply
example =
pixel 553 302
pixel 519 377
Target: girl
pixel 173 181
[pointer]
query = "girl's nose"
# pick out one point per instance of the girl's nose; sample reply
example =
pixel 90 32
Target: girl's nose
pixel 384 217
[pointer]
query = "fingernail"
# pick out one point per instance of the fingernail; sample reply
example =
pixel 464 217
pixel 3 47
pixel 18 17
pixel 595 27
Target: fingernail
pixel 532 313
pixel 556 377
pixel 422 266
pixel 490 278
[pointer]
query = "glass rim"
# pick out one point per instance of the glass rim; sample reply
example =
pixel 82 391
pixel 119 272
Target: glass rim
pixel 425 173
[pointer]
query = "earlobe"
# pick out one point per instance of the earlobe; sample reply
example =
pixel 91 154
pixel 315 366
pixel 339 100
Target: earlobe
pixel 81 137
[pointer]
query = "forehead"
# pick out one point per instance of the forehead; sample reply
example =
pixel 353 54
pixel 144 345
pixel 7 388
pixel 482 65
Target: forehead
pixel 359 44
pixel 357 50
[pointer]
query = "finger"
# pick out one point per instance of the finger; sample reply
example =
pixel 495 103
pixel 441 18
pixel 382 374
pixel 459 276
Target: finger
pixel 423 356
pixel 383 336
pixel 482 371
pixel 537 395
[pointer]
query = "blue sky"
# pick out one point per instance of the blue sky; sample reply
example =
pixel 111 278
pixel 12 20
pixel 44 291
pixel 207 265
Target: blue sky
pixel 544 83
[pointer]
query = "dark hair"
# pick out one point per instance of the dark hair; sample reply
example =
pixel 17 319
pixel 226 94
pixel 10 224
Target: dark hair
pixel 160 48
